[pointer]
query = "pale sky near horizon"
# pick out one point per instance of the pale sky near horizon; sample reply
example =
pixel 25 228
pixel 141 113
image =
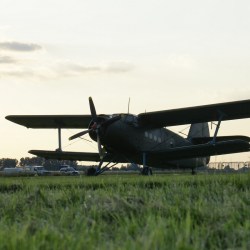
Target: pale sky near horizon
pixel 162 54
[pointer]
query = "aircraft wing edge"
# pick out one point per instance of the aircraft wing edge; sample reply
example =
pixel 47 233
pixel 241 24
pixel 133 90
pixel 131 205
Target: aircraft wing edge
pixel 197 114
pixel 76 156
pixel 202 140
pixel 203 150
pixel 51 121
pixel 66 155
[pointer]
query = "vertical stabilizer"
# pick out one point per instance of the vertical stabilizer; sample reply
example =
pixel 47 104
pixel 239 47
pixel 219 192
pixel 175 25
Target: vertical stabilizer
pixel 199 130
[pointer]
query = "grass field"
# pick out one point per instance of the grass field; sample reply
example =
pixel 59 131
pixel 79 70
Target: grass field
pixel 125 212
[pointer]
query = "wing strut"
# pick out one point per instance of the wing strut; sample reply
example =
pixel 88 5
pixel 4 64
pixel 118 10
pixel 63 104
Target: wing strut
pixel 99 170
pixel 59 140
pixel 217 127
pixel 144 159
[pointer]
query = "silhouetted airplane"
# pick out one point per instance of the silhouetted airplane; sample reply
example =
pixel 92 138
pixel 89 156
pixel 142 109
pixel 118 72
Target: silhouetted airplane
pixel 143 139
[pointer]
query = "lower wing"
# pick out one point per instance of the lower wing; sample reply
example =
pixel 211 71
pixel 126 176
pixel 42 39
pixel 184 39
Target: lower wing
pixel 77 156
pixel 201 150
pixel 193 151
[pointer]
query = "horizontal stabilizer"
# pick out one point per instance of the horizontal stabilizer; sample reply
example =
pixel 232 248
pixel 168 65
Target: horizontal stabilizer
pixel 198 114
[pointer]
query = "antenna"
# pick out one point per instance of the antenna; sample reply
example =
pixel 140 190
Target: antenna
pixel 128 104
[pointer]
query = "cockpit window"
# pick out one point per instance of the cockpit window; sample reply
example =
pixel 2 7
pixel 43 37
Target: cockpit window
pixel 113 115
pixel 130 119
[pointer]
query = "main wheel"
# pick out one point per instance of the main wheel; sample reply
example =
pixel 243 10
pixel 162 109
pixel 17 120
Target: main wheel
pixel 146 171
pixel 91 171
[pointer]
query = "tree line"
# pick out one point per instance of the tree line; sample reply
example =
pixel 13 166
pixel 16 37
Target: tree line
pixel 53 165
pixel 35 161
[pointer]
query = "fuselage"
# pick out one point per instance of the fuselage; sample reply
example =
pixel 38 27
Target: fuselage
pixel 126 137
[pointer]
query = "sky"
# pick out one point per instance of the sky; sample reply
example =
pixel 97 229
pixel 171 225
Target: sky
pixel 161 54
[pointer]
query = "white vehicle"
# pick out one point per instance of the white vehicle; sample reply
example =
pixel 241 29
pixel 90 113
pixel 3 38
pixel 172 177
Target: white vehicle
pixel 67 170
pixel 39 170
pixel 12 171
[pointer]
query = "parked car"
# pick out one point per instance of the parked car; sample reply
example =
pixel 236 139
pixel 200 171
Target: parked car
pixel 38 170
pixel 67 170
pixel 12 171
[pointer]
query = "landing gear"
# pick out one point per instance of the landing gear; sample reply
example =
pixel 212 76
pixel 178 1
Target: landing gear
pixel 99 170
pixel 91 171
pixel 146 171
pixel 193 171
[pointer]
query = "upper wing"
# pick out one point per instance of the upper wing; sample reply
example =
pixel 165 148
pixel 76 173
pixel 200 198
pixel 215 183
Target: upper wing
pixel 197 114
pixel 51 121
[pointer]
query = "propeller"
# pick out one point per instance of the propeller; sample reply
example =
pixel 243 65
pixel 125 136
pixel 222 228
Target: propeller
pixel 96 126
pixel 79 134
pixel 92 109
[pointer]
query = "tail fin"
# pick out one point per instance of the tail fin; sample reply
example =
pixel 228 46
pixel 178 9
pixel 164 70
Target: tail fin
pixel 199 130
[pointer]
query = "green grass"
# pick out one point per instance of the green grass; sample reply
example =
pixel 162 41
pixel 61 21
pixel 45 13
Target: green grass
pixel 125 212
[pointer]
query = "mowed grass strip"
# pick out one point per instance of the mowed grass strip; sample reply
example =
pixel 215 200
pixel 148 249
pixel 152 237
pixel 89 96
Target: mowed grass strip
pixel 126 212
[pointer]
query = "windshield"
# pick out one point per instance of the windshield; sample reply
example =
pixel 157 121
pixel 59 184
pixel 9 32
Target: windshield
pixel 130 119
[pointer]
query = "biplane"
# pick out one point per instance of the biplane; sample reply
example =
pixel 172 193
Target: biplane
pixel 144 139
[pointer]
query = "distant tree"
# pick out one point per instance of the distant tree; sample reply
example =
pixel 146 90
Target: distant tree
pixel 132 166
pixel 33 161
pixel 123 167
pixel 48 164
pixel 82 167
pixel 8 163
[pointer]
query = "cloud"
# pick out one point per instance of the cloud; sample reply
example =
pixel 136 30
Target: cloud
pixel 7 59
pixel 29 65
pixel 22 47
pixel 69 68
pixel 75 68
pixel 119 67
pixel 180 62
pixel 240 94
pixel 29 68
pixel 17 73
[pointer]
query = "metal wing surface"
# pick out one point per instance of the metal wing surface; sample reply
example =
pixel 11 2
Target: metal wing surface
pixel 65 155
pixel 51 121
pixel 196 114
pixel 201 150
pixel 201 140
pixel 75 156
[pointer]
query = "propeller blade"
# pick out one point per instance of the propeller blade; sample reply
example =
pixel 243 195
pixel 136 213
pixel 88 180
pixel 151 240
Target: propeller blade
pixel 96 126
pixel 79 134
pixel 92 109
pixel 100 149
